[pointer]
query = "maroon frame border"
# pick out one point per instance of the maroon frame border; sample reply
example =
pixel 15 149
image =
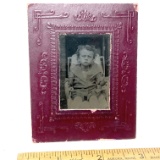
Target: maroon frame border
pixel 46 22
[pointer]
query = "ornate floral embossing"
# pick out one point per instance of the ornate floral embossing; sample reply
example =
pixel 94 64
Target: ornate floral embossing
pixel 125 14
pixel 108 27
pixel 85 16
pixel 41 117
pixel 86 126
pixel 43 66
pixel 113 29
pixel 124 72
pixel 38 15
pixel 54 72
pixel 115 70
pixel 50 15
pixel 123 124
pixel 55 129
pixel 124 82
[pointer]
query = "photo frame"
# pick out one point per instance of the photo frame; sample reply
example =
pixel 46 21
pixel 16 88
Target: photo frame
pixel 69 44
pixel 83 71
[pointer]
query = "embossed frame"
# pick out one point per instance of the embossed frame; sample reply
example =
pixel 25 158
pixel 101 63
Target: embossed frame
pixel 46 23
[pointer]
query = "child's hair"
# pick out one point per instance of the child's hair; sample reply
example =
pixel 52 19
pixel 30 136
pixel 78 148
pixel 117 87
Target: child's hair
pixel 87 47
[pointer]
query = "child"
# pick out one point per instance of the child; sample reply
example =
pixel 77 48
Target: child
pixel 86 80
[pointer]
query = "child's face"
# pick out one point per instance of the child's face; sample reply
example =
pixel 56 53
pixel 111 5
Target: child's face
pixel 86 57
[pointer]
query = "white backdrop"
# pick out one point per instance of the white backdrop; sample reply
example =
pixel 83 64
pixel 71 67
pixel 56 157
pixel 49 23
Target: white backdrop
pixel 15 122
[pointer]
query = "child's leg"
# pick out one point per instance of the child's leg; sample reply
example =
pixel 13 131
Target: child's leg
pixel 102 102
pixel 69 103
pixel 85 105
pixel 93 102
pixel 76 103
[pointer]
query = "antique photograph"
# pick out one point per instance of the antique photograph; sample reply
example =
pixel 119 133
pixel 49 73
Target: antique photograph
pixel 85 71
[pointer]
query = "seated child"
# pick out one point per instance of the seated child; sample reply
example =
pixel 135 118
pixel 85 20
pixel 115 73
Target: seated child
pixel 86 80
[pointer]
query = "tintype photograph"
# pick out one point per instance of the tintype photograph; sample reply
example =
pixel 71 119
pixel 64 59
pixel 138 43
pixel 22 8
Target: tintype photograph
pixel 84 71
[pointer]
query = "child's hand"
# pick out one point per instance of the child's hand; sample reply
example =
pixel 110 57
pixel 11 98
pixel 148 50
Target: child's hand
pixel 70 81
pixel 104 81
pixel 71 89
pixel 98 89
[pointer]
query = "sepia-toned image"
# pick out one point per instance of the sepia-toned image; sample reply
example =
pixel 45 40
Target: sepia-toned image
pixel 84 71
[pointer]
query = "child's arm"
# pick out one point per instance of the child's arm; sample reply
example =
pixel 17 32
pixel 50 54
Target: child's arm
pixel 69 84
pixel 70 79
pixel 101 80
